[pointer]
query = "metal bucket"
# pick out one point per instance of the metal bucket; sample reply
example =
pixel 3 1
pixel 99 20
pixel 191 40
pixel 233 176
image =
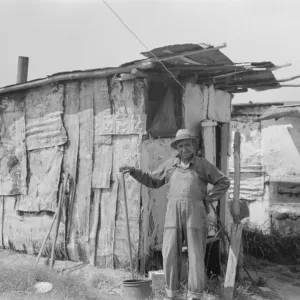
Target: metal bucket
pixel 137 289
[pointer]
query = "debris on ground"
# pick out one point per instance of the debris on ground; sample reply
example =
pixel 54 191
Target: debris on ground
pixel 75 281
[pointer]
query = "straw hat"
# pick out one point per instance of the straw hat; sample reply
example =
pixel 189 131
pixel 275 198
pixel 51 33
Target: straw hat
pixel 182 134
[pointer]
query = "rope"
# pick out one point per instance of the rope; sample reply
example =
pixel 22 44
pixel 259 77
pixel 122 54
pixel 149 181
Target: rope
pixel 140 41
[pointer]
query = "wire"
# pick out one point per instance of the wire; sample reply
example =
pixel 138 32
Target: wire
pixel 111 9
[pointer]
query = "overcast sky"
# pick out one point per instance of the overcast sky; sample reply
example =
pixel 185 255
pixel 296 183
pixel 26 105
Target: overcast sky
pixel 65 35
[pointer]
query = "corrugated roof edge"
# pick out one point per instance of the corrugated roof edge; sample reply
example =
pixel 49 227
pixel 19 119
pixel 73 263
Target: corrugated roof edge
pixel 65 76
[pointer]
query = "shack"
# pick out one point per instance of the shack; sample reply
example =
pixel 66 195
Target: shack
pixel 270 160
pixel 89 123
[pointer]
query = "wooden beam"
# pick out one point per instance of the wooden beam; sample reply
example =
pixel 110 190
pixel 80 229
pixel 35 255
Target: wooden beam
pixel 207 68
pixel 187 53
pixel 228 74
pixel 66 77
pixel 281 66
pixel 138 73
pixel 186 59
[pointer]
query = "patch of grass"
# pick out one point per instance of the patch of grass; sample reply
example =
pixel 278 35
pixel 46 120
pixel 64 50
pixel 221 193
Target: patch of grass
pixel 274 247
pixel 18 283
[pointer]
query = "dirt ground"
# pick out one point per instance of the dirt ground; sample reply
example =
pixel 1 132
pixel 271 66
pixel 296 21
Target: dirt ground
pixel 275 281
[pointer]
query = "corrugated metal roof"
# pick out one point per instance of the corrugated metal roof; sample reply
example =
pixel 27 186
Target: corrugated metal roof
pixel 205 63
pixel 206 58
pixel 256 109
pixel 276 112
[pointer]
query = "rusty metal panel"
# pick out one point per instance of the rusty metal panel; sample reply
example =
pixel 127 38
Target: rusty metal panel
pixel 121 124
pixel 128 97
pixel 103 149
pixel 251 143
pixel 13 169
pixel 43 110
pixel 126 152
pixel 281 144
pixel 195 105
pixel 102 166
pixel 251 184
pixel 27 232
pixel 106 235
pixel 206 58
pixel 44 166
pixel 219 105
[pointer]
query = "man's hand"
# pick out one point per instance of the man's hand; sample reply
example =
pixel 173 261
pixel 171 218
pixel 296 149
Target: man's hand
pixel 126 169
pixel 207 201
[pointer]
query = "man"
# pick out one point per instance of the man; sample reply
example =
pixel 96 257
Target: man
pixel 186 219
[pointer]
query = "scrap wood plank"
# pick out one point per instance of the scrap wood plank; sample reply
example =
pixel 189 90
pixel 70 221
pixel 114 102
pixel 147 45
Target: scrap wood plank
pixel 26 232
pixel 195 106
pixel 94 224
pixel 236 236
pixel 85 168
pixel 44 168
pixel 70 160
pixel 106 234
pixel 13 168
pixel 103 149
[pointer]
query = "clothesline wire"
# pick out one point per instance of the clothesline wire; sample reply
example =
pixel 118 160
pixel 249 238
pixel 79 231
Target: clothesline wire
pixel 143 44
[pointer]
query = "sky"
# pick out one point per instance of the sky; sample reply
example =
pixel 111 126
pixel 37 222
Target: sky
pixel 66 35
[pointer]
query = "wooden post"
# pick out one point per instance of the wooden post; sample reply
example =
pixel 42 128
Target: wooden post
pixel 237 178
pixel 58 212
pixel 209 141
pixel 236 232
pixel 225 142
pixel 22 69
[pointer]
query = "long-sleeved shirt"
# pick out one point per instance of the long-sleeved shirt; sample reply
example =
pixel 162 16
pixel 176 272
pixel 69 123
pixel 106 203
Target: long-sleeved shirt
pixel 208 173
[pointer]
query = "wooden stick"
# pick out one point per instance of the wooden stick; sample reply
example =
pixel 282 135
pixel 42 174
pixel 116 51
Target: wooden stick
pixel 2 220
pixel 61 197
pixel 289 78
pixel 289 85
pixel 228 74
pixel 281 66
pixel 127 222
pixel 45 239
pixel 186 59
